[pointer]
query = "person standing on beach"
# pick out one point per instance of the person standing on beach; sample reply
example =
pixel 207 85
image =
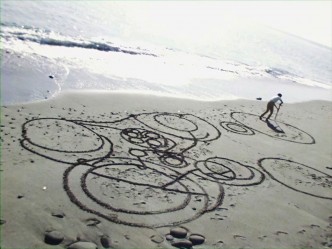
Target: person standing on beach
pixel 271 104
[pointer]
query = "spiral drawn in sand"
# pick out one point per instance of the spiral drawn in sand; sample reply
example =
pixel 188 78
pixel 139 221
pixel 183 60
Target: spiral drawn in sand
pixel 237 128
pixel 297 176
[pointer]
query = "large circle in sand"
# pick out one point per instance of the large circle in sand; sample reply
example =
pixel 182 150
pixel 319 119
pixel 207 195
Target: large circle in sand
pixel 290 133
pixel 61 135
pixel 124 191
pixel 299 177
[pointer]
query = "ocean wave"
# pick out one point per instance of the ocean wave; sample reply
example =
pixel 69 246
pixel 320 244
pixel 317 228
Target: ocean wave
pixel 47 37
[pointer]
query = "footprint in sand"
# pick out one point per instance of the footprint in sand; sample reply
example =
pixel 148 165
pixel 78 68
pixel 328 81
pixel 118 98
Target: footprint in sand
pixel 157 239
pixel 219 243
pixel 280 232
pixel 58 214
pixel 92 222
pixel 236 236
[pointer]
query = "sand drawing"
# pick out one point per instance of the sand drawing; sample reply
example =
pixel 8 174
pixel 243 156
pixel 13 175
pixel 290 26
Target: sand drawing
pixel 248 124
pixel 155 169
pixel 308 180
pixel 236 127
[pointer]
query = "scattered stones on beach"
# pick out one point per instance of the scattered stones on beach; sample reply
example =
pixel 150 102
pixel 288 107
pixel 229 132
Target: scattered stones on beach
pixel 169 237
pixel 157 239
pixel 182 244
pixel 196 239
pixel 83 245
pixel 178 232
pixel 53 237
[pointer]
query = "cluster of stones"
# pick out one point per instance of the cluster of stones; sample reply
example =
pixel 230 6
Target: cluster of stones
pixel 55 238
pixel 179 237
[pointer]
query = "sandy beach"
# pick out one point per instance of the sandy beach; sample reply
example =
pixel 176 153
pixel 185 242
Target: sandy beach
pixel 88 170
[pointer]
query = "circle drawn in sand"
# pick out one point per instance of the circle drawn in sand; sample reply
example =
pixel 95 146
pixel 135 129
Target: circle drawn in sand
pixel 299 177
pixel 64 141
pixel 237 128
pixel 72 137
pixel 229 172
pixel 124 192
pixel 290 133
pixel 185 126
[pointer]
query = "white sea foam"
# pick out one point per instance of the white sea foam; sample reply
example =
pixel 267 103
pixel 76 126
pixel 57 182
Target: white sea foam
pixel 216 69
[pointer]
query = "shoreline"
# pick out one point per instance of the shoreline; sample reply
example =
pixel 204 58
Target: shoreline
pixel 149 94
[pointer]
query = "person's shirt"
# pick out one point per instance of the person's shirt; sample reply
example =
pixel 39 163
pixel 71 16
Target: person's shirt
pixel 276 99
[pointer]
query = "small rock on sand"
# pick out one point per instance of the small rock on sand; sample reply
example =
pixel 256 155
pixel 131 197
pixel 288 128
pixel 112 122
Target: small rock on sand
pixel 106 241
pixel 197 239
pixel 178 232
pixel 83 245
pixel 53 237
pixel 182 244
pixel 169 237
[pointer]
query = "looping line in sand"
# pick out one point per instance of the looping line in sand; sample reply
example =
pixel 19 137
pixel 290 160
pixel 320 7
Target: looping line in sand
pixel 157 183
pixel 297 176
pixel 247 123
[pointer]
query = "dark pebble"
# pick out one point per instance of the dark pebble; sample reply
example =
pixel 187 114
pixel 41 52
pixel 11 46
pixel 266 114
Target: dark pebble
pixel 2 222
pixel 178 232
pixel 169 237
pixel 197 239
pixel 83 245
pixel 182 244
pixel 53 238
pixel 51 76
pixel 106 241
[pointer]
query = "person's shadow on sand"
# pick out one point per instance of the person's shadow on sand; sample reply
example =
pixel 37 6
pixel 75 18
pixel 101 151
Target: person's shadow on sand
pixel 274 126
